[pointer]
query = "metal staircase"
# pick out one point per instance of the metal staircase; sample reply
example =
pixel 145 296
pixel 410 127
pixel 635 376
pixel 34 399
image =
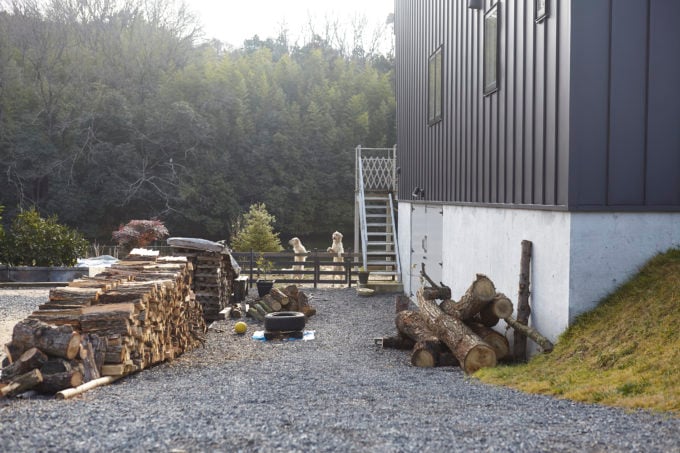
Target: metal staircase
pixel 375 213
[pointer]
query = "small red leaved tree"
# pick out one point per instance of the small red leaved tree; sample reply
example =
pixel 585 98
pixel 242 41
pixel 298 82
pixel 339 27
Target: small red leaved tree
pixel 140 233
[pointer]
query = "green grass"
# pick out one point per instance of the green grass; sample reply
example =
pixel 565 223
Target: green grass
pixel 624 353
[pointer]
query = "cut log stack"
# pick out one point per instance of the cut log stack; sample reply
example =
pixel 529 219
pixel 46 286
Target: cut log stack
pixel 289 298
pixel 138 313
pixel 460 329
pixel 214 272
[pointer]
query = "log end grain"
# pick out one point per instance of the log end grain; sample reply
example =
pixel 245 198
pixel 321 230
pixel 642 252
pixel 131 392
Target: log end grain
pixel 481 356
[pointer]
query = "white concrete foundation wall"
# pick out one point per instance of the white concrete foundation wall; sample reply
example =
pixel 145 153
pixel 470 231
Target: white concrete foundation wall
pixel 578 258
pixel 488 241
pixel 608 248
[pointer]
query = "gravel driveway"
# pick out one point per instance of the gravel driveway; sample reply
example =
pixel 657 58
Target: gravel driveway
pixel 337 392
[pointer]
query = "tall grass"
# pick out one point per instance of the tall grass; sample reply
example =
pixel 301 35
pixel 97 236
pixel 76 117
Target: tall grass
pixel 624 353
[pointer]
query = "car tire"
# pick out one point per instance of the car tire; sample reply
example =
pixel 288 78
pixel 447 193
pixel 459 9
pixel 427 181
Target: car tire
pixel 284 321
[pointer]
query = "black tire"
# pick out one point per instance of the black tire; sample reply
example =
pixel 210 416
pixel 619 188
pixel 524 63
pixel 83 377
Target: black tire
pixel 284 320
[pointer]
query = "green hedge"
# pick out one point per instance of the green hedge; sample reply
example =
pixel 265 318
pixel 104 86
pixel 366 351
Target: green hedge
pixel 35 241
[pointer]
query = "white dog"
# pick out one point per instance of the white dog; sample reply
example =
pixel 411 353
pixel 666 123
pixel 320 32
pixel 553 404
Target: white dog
pixel 298 248
pixel 337 250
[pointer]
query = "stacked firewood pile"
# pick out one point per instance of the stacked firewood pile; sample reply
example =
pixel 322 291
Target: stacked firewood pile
pixel 289 298
pixel 138 313
pixel 458 333
pixel 214 273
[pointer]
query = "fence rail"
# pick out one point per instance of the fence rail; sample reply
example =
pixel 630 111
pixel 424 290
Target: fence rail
pixel 319 267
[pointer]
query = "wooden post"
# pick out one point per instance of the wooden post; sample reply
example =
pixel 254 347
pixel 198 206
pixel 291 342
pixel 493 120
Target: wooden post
pixel 523 308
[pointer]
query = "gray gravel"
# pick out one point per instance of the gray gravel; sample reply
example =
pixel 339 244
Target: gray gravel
pixel 337 392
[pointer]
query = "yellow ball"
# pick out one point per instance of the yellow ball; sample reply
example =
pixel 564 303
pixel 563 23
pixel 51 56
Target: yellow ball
pixel 240 327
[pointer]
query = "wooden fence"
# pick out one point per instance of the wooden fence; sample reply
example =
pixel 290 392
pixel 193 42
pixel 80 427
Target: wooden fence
pixel 319 267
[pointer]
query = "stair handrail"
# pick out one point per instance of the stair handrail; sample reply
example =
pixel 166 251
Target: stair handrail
pixel 362 207
pixel 394 237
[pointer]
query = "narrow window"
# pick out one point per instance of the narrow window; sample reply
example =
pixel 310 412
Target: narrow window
pixel 491 50
pixel 435 87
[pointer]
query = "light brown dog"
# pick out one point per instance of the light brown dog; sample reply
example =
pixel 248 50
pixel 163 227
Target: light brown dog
pixel 337 250
pixel 298 248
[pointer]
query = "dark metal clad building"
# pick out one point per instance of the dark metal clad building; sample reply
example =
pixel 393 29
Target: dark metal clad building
pixel 562 105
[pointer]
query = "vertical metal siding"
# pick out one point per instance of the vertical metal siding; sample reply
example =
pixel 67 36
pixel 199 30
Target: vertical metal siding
pixel 625 105
pixel 502 148
pixel 663 137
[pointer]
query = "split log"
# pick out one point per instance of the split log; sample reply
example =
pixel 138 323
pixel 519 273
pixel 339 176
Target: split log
pixel 468 348
pixel 70 393
pixel 69 295
pixel 55 365
pixel 255 314
pixel 260 310
pixel 532 333
pixel 427 345
pixel 303 305
pixel 59 341
pixel 279 296
pixel 87 355
pixel 523 308
pixel 22 383
pixel 291 291
pixel 12 352
pixel 58 317
pixel 495 339
pixel 31 359
pixel 273 304
pixel 477 296
pixel 52 383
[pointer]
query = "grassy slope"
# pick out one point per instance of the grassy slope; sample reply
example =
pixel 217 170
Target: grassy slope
pixel 625 352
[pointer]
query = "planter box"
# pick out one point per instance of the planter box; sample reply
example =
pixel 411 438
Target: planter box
pixel 30 274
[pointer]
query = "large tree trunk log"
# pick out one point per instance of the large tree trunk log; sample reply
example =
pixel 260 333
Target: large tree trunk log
pixel 427 345
pixel 500 307
pixel 52 383
pixel 478 295
pixel 468 348
pixel 29 360
pixel 523 308
pixel 59 341
pixel 401 303
pixel 532 333
pixel 399 341
pixel 496 340
pixel 22 383
pixel 439 292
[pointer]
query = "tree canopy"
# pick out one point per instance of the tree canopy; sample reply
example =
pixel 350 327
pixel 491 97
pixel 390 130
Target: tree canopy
pixel 112 111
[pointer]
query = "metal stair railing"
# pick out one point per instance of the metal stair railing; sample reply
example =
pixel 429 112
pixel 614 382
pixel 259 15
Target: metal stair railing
pixel 394 237
pixel 379 176
pixel 362 210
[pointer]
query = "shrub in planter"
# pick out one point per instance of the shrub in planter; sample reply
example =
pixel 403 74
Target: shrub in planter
pixel 36 241
pixel 139 233
pixel 255 231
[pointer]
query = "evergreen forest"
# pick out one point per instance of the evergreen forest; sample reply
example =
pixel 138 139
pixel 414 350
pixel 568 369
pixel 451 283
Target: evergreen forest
pixel 118 110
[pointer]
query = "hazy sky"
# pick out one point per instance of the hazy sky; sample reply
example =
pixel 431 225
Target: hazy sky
pixel 233 21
